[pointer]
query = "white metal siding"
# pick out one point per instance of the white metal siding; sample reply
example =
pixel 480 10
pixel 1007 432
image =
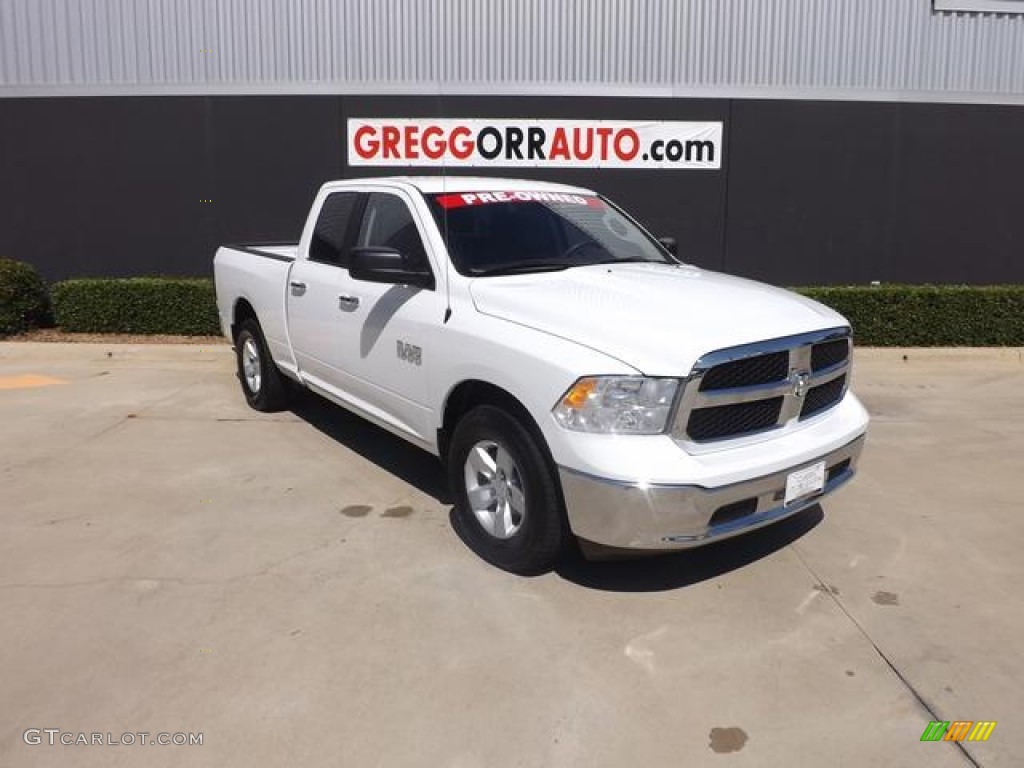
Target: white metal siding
pixel 827 48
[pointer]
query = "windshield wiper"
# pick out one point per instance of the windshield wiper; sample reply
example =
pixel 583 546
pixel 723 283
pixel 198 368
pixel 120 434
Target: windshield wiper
pixel 522 267
pixel 630 260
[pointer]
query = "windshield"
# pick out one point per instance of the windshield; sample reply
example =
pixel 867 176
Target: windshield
pixel 494 233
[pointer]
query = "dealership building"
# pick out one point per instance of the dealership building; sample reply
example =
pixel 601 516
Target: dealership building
pixel 797 141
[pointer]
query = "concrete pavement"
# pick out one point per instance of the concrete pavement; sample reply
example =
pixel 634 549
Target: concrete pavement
pixel 289 586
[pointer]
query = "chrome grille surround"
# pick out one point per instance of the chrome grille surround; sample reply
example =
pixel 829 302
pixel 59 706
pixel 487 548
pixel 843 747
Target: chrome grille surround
pixel 801 379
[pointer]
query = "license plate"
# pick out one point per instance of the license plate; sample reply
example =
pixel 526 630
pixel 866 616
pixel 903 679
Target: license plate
pixel 805 481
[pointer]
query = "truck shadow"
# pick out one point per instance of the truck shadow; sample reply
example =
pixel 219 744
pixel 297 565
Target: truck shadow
pixel 650 574
pixel 681 569
pixel 392 454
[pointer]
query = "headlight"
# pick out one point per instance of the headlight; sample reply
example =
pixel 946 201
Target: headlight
pixel 628 405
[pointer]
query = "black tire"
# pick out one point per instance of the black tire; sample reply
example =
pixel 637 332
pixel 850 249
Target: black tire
pixel 541 533
pixel 269 391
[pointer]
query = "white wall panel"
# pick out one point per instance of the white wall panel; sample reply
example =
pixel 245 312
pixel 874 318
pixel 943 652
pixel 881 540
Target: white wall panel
pixel 810 48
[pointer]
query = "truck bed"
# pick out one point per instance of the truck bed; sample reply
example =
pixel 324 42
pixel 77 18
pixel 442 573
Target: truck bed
pixel 258 274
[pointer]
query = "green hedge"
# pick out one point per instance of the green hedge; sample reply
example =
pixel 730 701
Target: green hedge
pixel 886 315
pixel 24 301
pixel 145 305
pixel 929 315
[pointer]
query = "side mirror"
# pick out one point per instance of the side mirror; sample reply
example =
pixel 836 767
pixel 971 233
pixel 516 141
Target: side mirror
pixel 669 244
pixel 379 264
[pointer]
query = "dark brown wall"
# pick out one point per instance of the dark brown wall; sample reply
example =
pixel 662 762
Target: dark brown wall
pixel 808 193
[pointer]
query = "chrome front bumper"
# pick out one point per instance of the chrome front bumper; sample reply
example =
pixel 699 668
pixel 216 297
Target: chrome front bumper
pixel 666 517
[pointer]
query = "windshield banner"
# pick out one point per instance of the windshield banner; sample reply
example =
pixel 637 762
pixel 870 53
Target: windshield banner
pixel 466 199
pixel 474 143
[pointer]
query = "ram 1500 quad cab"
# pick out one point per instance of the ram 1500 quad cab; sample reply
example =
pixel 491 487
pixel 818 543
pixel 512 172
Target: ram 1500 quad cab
pixel 575 378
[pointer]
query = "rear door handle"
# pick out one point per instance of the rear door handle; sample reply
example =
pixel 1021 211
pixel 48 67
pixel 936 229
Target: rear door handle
pixel 348 303
pixel 298 289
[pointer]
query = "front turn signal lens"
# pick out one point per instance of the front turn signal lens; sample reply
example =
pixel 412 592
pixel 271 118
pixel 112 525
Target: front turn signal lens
pixel 580 392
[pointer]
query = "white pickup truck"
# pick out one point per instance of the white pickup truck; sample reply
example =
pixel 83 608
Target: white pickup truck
pixel 575 378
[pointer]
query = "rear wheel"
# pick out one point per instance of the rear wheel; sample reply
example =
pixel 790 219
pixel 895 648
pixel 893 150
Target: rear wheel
pixel 262 384
pixel 507 504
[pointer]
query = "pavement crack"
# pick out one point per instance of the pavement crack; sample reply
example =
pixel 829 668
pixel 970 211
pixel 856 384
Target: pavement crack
pixel 822 587
pixel 263 570
pixel 149 406
pixel 117 424
pixel 100 582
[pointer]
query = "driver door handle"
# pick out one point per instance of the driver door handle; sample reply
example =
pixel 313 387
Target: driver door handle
pixel 298 289
pixel 348 303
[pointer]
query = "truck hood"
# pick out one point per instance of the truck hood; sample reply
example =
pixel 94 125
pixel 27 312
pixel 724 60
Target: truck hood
pixel 657 318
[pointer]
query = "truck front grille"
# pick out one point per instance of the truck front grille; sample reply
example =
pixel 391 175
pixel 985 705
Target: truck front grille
pixel 829 353
pixel 765 386
pixel 823 397
pixel 763 369
pixel 737 419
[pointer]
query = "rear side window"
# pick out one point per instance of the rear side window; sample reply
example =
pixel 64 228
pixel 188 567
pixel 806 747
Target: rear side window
pixel 331 234
pixel 388 222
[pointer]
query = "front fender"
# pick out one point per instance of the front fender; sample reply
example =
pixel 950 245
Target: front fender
pixel 534 367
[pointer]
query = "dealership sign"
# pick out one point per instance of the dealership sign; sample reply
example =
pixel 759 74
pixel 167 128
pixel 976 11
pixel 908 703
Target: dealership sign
pixel 480 143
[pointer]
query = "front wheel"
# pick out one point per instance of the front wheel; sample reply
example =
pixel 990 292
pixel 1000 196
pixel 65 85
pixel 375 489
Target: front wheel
pixel 262 384
pixel 507 504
